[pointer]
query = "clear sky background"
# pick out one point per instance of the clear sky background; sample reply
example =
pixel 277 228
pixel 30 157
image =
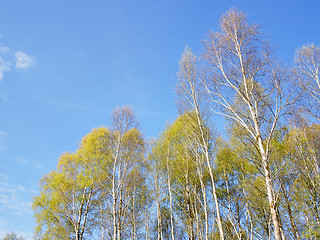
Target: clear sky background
pixel 65 65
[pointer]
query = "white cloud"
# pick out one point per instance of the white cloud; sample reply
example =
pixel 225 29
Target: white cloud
pixel 10 59
pixel 23 60
pixel 4 66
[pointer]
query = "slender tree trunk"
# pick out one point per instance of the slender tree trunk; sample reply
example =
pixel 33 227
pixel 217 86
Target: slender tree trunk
pixel 133 216
pixel 120 214
pixel 207 157
pixel 159 219
pixel 101 221
pixel 204 195
pixel 115 189
pixel 204 143
pixel 270 193
pixel 288 207
pixel 190 217
pixel 170 198
pixel 79 217
pixel 214 194
pixel 249 218
pixel 191 100
pixel 267 175
pixel 229 207
pixel 114 204
pixel 86 212
pixel 171 209
pixel 146 219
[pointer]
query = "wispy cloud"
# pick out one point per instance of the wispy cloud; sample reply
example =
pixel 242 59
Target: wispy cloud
pixel 12 205
pixel 4 228
pixel 10 60
pixel 70 105
pixel 23 61
pixel 4 50
pixel 11 198
pixel 4 66
pixel 33 164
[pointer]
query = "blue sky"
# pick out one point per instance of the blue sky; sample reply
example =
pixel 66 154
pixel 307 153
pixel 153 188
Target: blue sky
pixel 65 65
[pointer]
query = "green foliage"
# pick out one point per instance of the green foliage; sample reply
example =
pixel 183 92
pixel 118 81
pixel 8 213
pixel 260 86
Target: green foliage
pixel 70 193
pixel 182 163
pixel 76 200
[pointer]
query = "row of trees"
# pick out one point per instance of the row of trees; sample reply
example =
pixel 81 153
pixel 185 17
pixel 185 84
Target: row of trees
pixel 260 182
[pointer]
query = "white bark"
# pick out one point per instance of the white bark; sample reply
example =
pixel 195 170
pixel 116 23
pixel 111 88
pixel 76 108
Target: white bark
pixel 170 197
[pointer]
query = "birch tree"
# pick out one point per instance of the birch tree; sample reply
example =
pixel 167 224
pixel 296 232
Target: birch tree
pixel 127 152
pixel 183 190
pixel 100 189
pixel 157 185
pixel 65 207
pixel 191 102
pixel 243 79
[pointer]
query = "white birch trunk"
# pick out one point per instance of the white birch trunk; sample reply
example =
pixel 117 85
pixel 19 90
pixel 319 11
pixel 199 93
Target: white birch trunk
pixel 170 198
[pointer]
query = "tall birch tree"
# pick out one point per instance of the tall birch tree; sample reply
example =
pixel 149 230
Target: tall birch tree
pixel 127 153
pixel 243 79
pixel 191 102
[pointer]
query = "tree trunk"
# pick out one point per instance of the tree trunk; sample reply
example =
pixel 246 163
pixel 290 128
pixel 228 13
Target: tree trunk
pixel 170 198
pixel 270 193
pixel 288 207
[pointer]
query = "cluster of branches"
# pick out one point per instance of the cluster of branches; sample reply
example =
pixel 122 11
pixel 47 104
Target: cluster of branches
pixel 262 182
